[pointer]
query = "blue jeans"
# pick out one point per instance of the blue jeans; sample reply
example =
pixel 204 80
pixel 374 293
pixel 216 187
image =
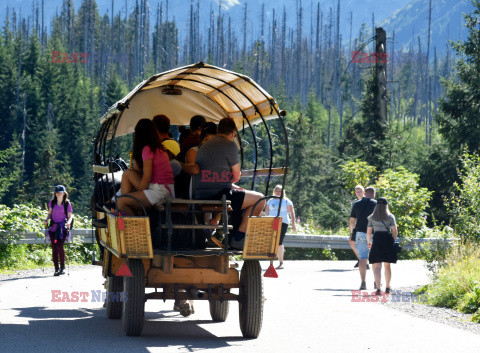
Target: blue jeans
pixel 361 245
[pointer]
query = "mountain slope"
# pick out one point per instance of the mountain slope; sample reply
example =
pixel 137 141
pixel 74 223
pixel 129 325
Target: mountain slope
pixel 412 21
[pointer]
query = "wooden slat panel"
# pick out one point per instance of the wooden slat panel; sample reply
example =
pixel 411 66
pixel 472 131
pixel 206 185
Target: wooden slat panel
pixel 200 277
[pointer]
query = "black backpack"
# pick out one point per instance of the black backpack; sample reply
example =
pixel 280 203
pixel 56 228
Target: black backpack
pixel 65 205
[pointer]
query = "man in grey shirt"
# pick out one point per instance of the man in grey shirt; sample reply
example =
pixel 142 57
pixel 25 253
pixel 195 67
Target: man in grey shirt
pixel 219 170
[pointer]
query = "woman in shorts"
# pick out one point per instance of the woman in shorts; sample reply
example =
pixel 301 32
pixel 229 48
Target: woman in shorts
pixel 288 215
pixel 154 184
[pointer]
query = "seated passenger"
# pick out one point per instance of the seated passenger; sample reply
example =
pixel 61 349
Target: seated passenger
pixel 209 130
pixel 193 137
pixel 219 165
pixel 162 123
pixel 154 183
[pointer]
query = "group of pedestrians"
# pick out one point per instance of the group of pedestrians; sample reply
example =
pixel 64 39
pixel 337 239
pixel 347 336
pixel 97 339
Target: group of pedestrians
pixel 373 233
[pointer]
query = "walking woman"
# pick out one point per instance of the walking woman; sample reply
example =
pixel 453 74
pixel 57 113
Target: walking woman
pixel 286 210
pixel 154 183
pixel 384 228
pixel 60 214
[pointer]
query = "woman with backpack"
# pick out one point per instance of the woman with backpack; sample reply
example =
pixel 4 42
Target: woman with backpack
pixel 60 214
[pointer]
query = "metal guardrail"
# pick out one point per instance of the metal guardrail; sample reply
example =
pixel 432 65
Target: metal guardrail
pixel 341 242
pixel 87 236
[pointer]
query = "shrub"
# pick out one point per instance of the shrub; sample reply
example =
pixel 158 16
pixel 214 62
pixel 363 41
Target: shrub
pixel 407 201
pixel 27 218
pixel 457 284
pixel 356 173
pixel 464 206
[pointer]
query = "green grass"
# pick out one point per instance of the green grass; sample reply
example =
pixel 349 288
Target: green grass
pixel 16 257
pixel 456 284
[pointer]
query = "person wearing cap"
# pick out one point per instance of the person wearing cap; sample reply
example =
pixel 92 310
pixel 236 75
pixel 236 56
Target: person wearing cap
pixel 193 138
pixel 384 228
pixel 162 123
pixel 60 214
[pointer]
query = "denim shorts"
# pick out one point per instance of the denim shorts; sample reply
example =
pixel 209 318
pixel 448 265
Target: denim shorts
pixel 361 245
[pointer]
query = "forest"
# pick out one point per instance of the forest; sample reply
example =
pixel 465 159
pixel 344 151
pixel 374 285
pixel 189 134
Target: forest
pixel 57 80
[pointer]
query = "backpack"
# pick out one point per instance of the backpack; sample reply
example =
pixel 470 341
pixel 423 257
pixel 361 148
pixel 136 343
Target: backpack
pixel 65 205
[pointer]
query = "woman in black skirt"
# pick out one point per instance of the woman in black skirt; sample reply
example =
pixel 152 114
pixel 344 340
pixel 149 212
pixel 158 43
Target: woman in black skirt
pixel 384 228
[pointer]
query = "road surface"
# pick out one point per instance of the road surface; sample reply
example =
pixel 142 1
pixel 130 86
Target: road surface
pixel 309 308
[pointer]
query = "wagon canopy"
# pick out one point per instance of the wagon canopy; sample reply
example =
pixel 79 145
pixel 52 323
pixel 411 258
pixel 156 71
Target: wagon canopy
pixel 181 93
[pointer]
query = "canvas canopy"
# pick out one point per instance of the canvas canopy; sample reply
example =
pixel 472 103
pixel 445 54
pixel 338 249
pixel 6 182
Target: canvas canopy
pixel 198 89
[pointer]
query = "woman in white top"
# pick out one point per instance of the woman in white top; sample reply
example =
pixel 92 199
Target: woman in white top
pixel 286 210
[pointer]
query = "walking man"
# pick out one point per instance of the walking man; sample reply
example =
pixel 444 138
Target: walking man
pixel 361 209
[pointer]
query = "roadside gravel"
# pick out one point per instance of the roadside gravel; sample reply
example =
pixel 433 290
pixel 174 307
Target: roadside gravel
pixel 445 316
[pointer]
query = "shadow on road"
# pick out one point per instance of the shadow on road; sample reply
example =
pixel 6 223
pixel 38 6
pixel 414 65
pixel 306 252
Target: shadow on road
pixel 83 329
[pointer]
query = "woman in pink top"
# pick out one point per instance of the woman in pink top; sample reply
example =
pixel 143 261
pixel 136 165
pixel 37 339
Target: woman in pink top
pixel 155 183
pixel 58 221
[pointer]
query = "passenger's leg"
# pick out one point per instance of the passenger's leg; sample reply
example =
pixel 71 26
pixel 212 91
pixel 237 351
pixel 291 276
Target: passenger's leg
pixel 251 197
pixel 130 181
pixel 130 206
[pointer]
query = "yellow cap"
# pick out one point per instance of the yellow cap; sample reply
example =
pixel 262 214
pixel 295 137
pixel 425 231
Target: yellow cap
pixel 172 146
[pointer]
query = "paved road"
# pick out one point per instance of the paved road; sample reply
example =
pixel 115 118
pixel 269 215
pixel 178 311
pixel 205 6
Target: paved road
pixel 309 308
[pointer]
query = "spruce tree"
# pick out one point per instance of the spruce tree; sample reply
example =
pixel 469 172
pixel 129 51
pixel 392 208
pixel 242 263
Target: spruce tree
pixel 460 119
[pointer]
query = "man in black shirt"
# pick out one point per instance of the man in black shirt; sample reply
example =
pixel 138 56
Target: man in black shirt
pixel 361 209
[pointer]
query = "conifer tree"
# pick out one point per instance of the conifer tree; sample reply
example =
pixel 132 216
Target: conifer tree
pixel 459 119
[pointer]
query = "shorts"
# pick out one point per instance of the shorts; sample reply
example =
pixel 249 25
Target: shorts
pixel 283 232
pixel 157 193
pixel 236 197
pixel 361 245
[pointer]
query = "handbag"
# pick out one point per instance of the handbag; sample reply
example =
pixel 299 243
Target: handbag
pixel 397 248
pixel 396 245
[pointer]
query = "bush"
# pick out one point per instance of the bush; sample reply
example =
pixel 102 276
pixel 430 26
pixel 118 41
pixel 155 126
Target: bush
pixel 457 284
pixel 27 218
pixel 407 201
pixel 465 205
pixel 356 173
